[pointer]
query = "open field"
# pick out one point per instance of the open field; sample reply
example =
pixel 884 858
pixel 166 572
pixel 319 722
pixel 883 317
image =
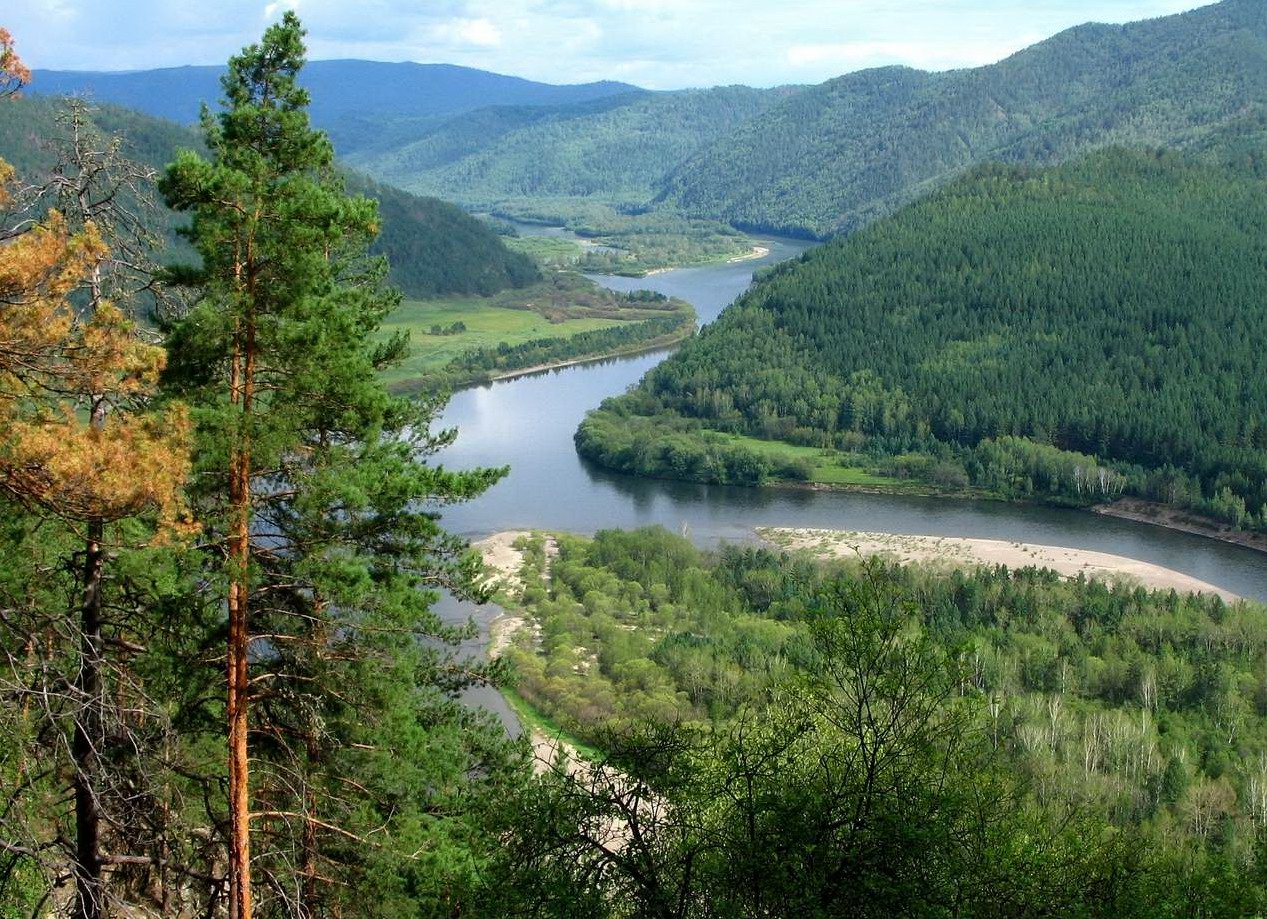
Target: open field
pixel 548 251
pixel 560 307
pixel 488 324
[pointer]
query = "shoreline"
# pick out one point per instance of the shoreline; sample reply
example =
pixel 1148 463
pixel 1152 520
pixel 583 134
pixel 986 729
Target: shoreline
pixel 503 562
pixel 417 385
pixel 1135 510
pixel 756 252
pixel 664 341
pixel 961 552
pixel 1171 518
pixel 551 746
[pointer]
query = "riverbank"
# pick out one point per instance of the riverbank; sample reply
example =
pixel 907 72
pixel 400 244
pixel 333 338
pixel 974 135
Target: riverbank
pixel 757 252
pixel 655 344
pixel 563 319
pixel 1172 518
pixel 959 552
pixel 504 563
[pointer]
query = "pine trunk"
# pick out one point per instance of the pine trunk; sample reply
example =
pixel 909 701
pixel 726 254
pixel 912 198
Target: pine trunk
pixel 239 642
pixel 89 903
pixel 89 895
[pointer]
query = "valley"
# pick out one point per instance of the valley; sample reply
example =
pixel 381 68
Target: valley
pixel 429 492
pixel 550 487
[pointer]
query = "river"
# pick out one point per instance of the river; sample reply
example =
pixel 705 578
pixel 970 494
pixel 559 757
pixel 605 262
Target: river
pixel 527 423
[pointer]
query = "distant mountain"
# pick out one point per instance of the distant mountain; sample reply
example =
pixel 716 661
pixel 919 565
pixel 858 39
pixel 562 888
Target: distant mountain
pixel 835 156
pixel 340 89
pixel 618 147
pixel 434 248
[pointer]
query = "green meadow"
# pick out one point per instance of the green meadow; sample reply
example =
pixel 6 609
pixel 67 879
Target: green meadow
pixel 487 325
pixel 826 465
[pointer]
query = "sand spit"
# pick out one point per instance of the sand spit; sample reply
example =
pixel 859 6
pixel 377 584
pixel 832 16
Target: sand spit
pixel 956 552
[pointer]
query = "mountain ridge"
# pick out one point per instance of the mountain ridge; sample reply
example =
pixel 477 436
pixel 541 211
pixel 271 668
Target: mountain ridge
pixel 808 163
pixel 339 88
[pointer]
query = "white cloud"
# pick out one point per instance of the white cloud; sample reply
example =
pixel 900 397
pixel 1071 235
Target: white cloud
pixel 480 33
pixel 275 9
pixel 660 44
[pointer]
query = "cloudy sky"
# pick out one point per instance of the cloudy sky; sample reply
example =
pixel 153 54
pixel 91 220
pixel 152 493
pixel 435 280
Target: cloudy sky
pixel 660 44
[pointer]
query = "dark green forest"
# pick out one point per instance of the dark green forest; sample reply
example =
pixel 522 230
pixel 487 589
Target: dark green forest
pixel 1070 333
pixel 433 247
pixel 855 706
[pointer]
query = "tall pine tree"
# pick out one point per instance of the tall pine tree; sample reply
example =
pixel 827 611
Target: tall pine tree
pixel 319 511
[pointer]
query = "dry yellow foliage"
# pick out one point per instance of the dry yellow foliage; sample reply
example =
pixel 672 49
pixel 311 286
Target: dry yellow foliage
pixel 135 464
pixel 55 364
pixel 13 73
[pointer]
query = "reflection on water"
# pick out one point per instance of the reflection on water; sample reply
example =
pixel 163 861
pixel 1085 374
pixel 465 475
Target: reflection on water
pixel 528 423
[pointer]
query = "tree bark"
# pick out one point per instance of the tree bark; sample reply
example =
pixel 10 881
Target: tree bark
pixel 89 895
pixel 89 900
pixel 238 647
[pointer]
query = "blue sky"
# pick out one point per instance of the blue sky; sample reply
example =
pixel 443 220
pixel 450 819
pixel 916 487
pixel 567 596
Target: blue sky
pixel 660 44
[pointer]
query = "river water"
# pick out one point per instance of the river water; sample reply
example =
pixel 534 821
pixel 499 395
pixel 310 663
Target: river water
pixel 528 422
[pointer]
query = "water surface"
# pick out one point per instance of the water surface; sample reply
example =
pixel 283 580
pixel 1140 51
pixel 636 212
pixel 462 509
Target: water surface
pixel 528 422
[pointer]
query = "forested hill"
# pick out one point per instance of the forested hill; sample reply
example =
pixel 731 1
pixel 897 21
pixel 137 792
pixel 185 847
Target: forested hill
pixel 339 89
pixel 433 247
pixel 1018 327
pixel 619 147
pixel 838 154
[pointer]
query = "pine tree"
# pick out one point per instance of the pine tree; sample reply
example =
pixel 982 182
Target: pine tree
pixel 82 460
pixel 319 512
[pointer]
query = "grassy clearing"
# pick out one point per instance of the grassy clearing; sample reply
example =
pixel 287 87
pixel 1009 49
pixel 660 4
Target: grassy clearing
pixel 826 464
pixel 548 251
pixel 487 325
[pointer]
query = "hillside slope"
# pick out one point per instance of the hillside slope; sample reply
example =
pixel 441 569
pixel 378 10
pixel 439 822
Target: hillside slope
pixel 1067 332
pixel 839 154
pixel 433 247
pixel 616 148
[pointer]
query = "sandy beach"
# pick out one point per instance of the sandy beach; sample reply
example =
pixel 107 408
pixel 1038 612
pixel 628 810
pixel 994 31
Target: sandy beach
pixel 954 552
pixel 757 252
pixel 503 563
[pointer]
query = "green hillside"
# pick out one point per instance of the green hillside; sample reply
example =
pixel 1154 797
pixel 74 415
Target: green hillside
pixel 835 156
pixel 1067 332
pixel 433 247
pixel 615 148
